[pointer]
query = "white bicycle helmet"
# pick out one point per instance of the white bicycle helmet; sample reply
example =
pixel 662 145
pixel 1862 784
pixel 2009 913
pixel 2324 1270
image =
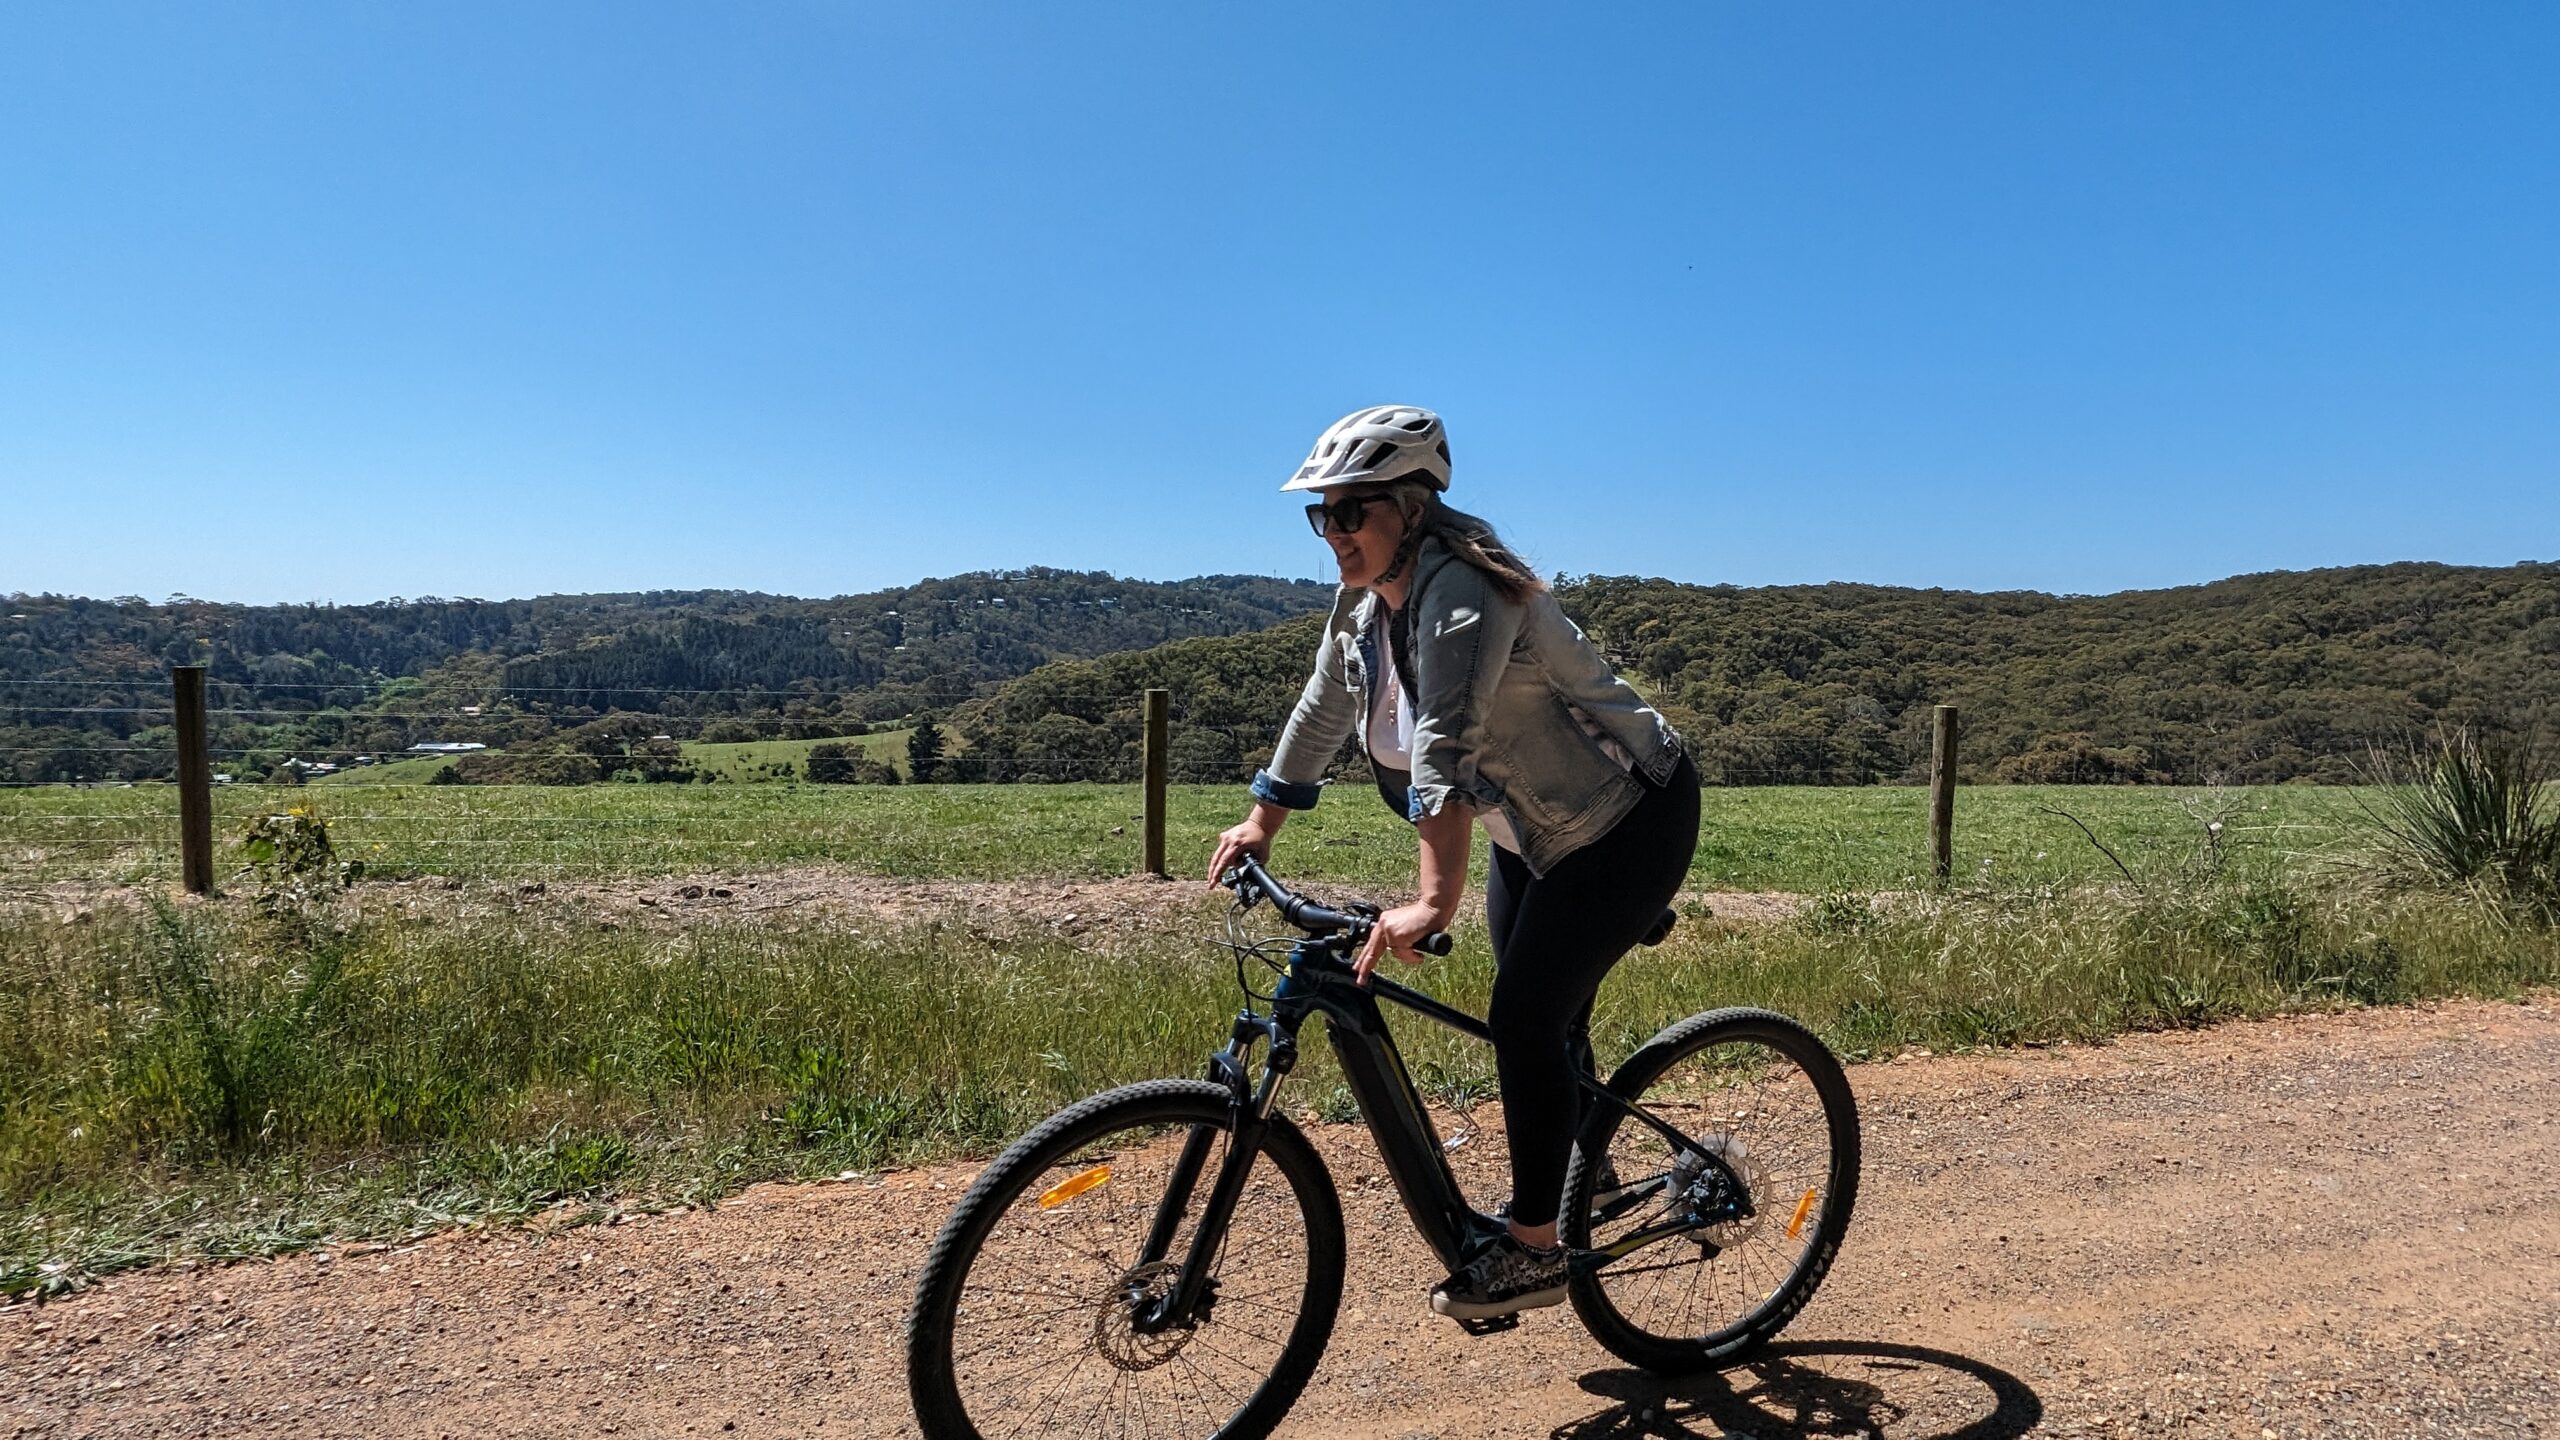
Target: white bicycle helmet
pixel 1383 442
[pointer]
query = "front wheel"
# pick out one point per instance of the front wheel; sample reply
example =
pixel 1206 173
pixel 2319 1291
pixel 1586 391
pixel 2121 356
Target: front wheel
pixel 1036 1312
pixel 1720 1245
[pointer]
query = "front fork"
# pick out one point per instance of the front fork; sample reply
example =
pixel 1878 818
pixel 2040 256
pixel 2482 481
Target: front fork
pixel 1249 1110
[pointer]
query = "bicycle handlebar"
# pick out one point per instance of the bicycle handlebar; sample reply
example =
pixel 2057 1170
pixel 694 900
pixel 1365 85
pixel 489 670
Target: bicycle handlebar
pixel 1311 917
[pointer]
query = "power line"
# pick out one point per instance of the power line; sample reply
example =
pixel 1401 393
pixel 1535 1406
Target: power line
pixel 899 688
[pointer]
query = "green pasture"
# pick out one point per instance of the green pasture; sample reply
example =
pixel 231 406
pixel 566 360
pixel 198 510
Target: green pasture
pixel 752 761
pixel 415 771
pixel 744 762
pixel 1807 840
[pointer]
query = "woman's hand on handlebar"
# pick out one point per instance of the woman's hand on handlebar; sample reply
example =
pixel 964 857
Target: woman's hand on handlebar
pixel 1251 837
pixel 1400 931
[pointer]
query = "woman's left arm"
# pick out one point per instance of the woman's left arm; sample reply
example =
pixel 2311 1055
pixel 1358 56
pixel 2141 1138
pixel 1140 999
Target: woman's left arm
pixel 1446 835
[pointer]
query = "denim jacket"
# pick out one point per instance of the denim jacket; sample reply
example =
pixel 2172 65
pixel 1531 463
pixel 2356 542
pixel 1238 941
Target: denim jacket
pixel 1513 710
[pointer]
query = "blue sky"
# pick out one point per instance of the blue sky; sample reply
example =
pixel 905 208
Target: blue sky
pixel 340 302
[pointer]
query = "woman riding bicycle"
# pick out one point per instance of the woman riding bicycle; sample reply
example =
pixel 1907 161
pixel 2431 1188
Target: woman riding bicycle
pixel 1478 702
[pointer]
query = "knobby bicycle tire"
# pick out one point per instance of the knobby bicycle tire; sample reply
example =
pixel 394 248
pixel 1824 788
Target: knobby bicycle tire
pixel 933 1382
pixel 1679 1354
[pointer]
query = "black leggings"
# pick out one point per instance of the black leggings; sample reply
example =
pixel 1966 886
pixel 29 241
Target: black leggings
pixel 1554 937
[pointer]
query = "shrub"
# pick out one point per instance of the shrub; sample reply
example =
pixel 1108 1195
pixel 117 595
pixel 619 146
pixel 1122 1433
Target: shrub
pixel 832 764
pixel 837 763
pixel 2468 813
pixel 487 768
pixel 293 851
pixel 2078 760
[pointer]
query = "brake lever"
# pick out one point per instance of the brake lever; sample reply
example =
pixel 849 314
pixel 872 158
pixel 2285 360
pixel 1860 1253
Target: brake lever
pixel 1246 893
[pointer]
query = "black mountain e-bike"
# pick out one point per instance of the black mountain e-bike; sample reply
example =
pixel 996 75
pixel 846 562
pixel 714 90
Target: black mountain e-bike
pixel 1166 1259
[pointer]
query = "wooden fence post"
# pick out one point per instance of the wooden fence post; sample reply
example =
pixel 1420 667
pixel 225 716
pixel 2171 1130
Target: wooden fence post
pixel 1159 706
pixel 195 782
pixel 1942 791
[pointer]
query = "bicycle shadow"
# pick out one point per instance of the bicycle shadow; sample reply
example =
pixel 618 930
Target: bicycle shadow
pixel 1875 1390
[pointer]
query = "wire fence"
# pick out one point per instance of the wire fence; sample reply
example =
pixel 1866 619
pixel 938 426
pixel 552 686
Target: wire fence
pixel 485 820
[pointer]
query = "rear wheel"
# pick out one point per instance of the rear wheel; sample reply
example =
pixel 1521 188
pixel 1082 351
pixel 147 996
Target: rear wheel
pixel 1741 1240
pixel 1033 1314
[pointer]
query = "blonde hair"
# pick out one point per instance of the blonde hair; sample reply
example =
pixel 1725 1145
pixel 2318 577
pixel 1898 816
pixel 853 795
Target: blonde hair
pixel 1469 538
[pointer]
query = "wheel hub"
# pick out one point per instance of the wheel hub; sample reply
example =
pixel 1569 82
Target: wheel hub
pixel 1726 1204
pixel 1117 1329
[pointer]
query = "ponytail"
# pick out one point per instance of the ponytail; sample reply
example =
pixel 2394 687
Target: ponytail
pixel 1469 538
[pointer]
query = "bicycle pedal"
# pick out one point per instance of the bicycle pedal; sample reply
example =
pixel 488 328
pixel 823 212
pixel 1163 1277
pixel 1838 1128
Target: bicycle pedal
pixel 1491 1324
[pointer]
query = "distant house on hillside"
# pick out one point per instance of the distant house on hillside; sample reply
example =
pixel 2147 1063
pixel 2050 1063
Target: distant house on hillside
pixel 445 747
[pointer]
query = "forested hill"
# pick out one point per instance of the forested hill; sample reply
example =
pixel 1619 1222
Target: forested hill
pixel 2258 678
pixel 2262 677
pixel 80 679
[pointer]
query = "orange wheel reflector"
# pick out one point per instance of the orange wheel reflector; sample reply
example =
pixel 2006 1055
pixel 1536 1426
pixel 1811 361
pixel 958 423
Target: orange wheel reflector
pixel 1066 1190
pixel 1804 1207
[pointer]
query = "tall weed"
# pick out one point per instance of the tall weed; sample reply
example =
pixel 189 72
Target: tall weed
pixel 188 1079
pixel 2468 813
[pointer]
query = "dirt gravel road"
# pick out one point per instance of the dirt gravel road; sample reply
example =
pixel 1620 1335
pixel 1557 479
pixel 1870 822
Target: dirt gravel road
pixel 2332 1226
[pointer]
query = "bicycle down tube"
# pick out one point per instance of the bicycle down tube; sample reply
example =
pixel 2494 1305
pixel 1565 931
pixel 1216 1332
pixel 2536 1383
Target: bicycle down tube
pixel 1318 980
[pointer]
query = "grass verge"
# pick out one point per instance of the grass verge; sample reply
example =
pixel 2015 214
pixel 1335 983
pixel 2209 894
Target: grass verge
pixel 212 1082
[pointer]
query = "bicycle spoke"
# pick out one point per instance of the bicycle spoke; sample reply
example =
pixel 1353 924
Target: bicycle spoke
pixel 1750 1102
pixel 1045 1330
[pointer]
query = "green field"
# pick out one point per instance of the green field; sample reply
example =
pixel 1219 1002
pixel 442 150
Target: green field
pixel 729 762
pixel 751 761
pixel 1796 839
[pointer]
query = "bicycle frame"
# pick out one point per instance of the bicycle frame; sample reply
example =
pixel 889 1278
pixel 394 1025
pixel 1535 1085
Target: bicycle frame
pixel 1319 980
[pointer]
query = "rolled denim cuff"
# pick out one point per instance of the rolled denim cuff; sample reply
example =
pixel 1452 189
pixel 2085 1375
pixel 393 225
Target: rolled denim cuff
pixel 1287 794
pixel 1424 800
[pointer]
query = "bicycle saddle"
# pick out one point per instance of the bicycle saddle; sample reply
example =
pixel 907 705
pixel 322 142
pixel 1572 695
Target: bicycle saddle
pixel 1661 928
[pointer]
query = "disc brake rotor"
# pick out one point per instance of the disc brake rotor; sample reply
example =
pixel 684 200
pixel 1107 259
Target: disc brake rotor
pixel 1115 1326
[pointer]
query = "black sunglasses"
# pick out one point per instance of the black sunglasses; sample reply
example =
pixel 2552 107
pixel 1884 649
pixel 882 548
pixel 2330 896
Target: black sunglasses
pixel 1343 516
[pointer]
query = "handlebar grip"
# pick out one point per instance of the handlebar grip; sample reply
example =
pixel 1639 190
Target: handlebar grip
pixel 1437 943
